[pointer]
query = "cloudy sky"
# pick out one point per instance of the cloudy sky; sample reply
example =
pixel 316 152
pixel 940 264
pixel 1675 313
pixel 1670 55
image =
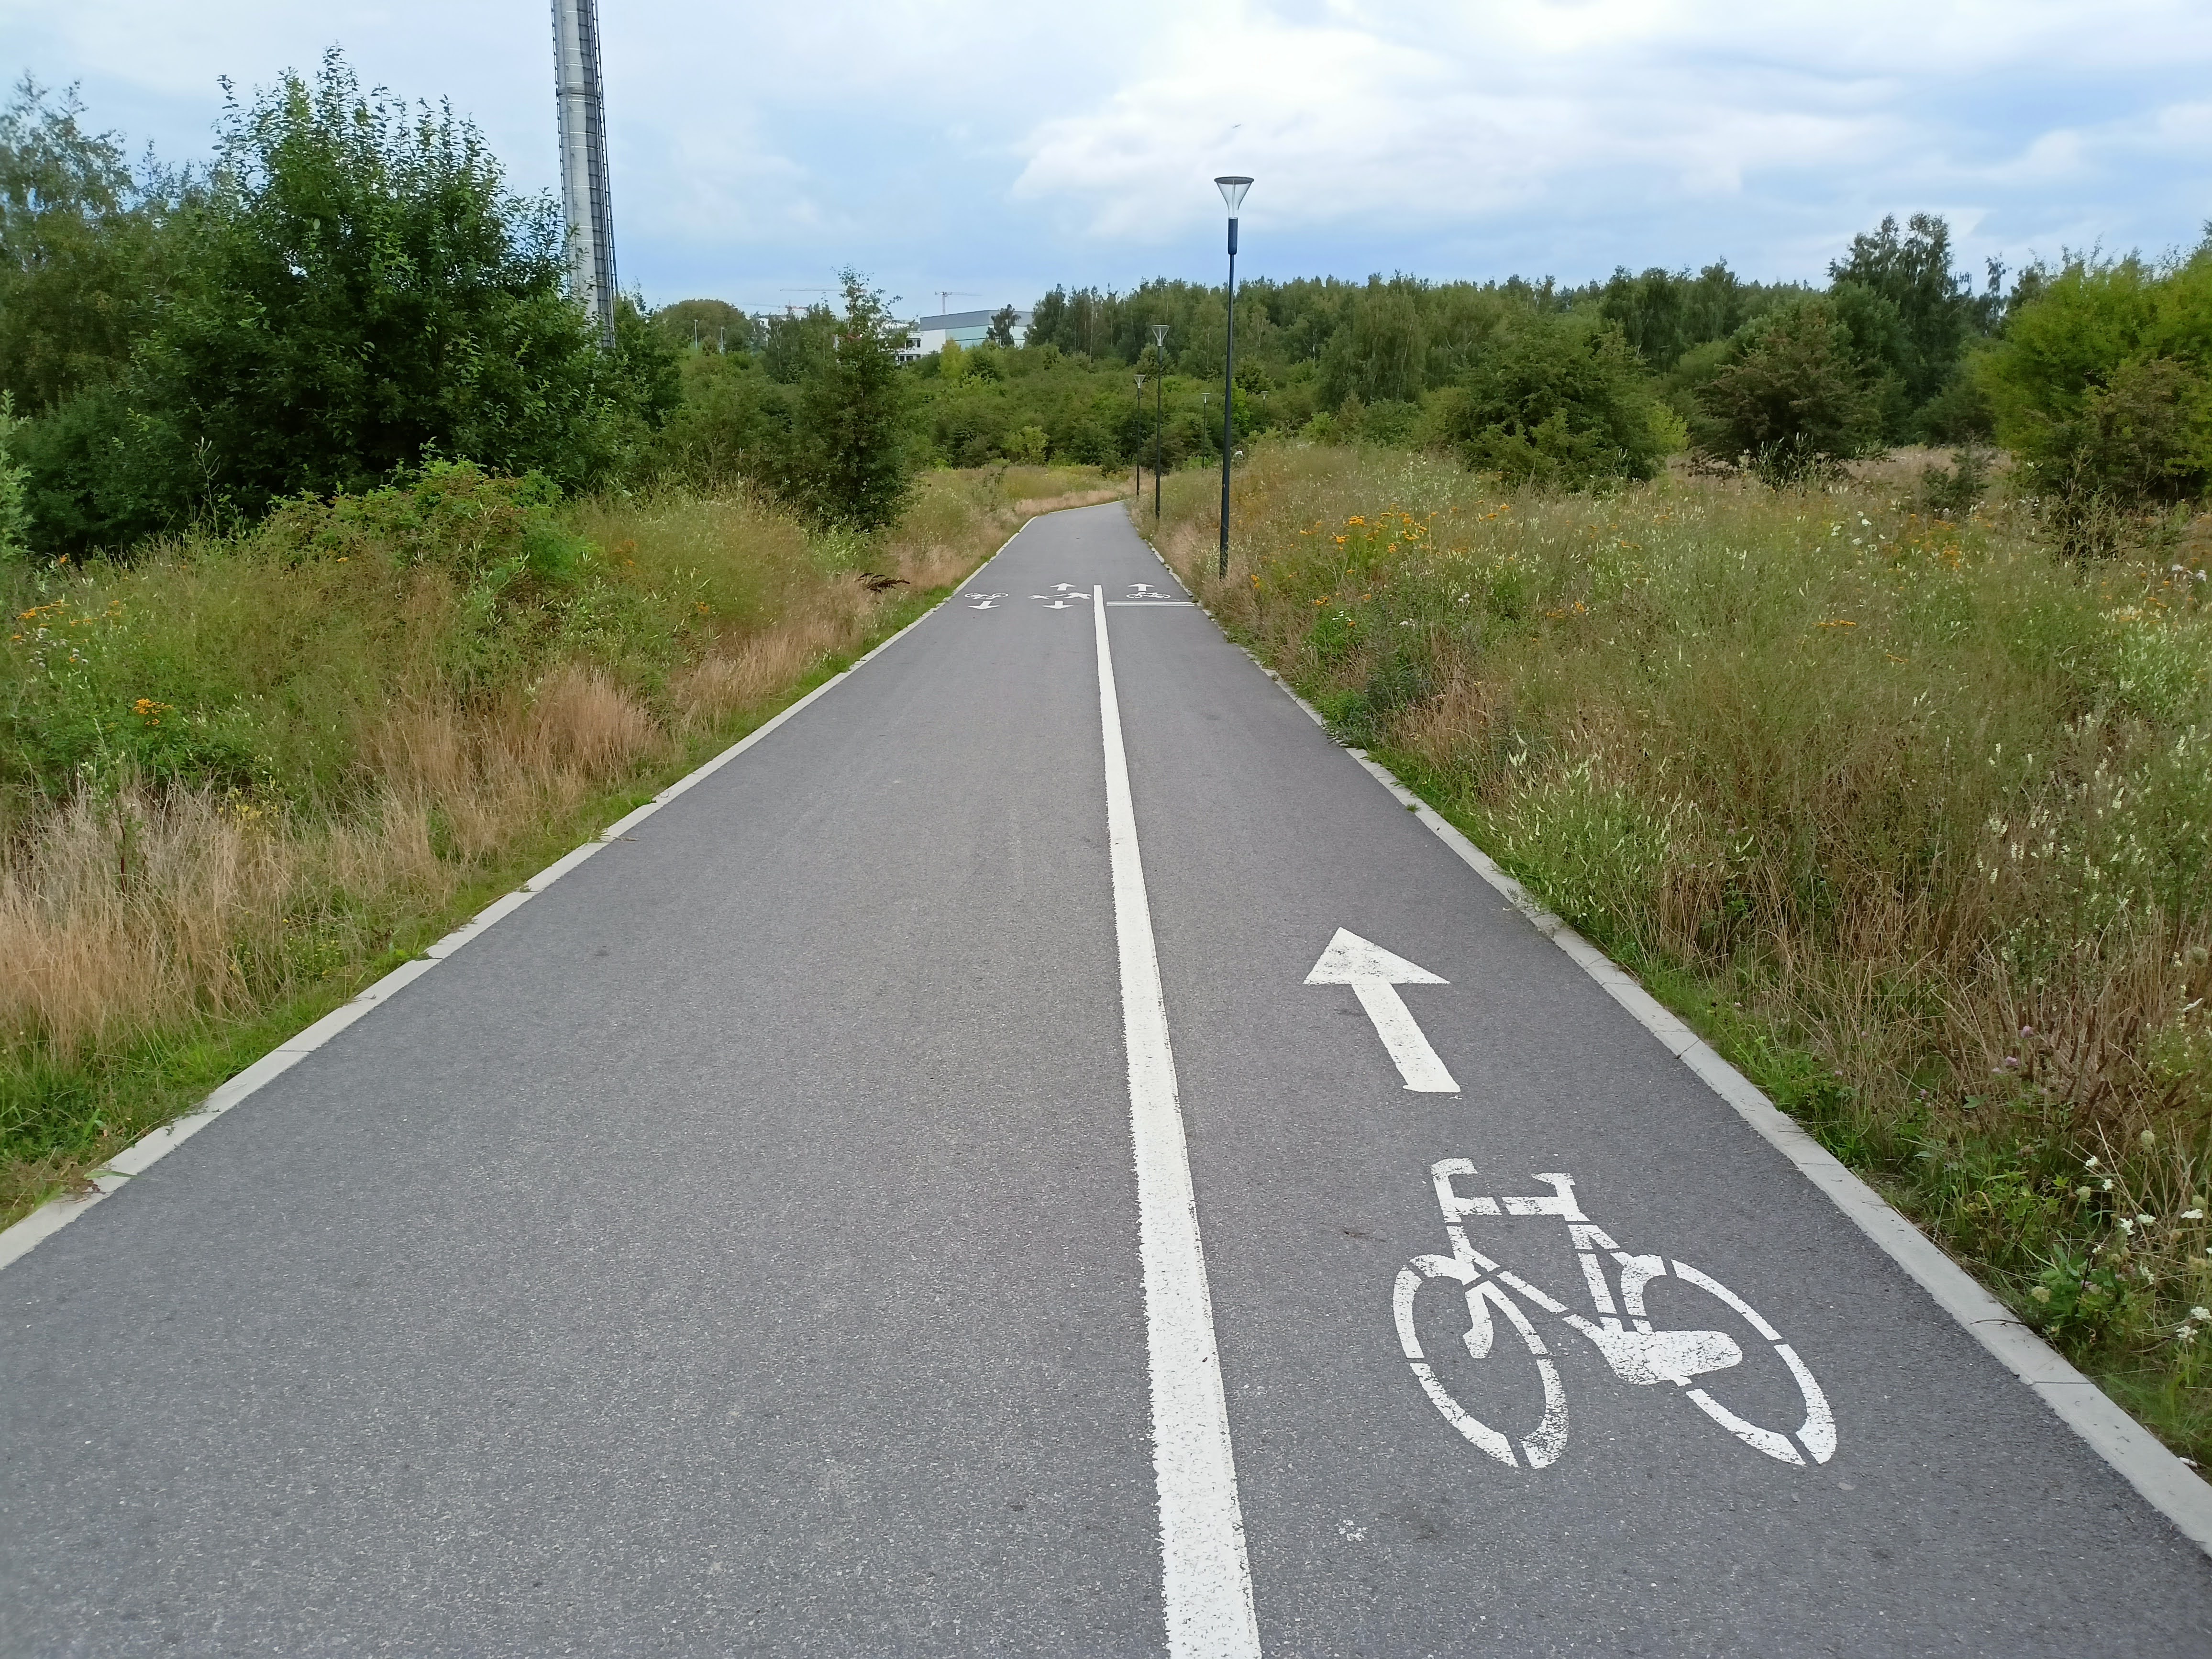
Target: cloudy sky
pixel 996 150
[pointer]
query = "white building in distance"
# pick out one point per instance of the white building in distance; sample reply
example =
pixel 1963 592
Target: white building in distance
pixel 926 336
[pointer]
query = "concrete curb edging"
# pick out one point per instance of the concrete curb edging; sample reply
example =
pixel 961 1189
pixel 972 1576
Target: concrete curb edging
pixel 56 1213
pixel 2160 1478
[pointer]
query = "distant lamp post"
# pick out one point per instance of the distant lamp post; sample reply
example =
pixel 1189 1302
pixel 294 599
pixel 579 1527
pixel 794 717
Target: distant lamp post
pixel 1159 406
pixel 1232 191
pixel 1140 442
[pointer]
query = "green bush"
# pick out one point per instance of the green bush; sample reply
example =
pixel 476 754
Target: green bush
pixel 15 519
pixel 1789 396
pixel 1952 491
pixel 732 425
pixel 1558 401
pixel 2101 385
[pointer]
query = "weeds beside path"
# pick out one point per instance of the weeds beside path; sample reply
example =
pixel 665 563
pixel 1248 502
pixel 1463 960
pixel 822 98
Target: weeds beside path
pixel 1912 819
pixel 242 777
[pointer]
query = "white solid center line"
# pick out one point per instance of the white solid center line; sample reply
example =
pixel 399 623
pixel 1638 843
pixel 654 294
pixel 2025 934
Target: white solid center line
pixel 1206 1580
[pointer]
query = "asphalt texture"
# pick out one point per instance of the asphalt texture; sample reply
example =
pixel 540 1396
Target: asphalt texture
pixel 734 1250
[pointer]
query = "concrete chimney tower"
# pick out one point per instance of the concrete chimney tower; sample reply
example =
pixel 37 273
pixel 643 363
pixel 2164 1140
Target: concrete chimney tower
pixel 586 202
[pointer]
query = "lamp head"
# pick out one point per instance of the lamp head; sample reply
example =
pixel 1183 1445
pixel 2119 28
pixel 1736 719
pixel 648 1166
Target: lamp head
pixel 1232 191
pixel 1160 336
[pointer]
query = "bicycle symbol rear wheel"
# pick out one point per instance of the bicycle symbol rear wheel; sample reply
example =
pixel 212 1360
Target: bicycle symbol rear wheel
pixel 1542 1445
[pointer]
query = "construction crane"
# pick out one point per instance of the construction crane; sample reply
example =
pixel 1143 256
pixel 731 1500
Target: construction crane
pixel 947 295
pixel 791 310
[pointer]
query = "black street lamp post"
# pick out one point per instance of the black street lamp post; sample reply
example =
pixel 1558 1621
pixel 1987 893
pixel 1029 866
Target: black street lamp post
pixel 1141 443
pixel 1159 406
pixel 1232 191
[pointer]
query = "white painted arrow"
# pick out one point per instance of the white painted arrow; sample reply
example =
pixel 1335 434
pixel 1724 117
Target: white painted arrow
pixel 1374 974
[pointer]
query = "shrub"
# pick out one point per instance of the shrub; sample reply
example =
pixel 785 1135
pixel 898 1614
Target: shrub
pixel 731 427
pixel 2102 385
pixel 1559 402
pixel 1958 414
pixel 15 520
pixel 1949 492
pixel 1789 397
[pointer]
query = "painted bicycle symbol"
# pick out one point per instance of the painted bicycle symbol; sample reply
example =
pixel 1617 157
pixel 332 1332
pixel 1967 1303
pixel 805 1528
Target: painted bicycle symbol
pixel 1622 1333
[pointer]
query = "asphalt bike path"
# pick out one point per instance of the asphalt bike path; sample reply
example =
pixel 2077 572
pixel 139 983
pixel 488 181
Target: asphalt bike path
pixel 784 1235
pixel 733 1250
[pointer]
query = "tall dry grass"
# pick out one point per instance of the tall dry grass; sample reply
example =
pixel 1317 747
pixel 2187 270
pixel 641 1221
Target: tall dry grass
pixel 1913 816
pixel 379 740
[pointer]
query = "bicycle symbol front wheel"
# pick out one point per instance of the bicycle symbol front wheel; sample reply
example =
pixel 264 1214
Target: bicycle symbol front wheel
pixel 1815 1438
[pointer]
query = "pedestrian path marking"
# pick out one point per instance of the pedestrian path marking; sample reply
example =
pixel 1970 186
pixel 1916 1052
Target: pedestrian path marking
pixel 1374 974
pixel 1206 1577
pixel 1626 1337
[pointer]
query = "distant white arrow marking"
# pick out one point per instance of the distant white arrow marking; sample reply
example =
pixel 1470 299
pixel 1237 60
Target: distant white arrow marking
pixel 1374 974
pixel 988 604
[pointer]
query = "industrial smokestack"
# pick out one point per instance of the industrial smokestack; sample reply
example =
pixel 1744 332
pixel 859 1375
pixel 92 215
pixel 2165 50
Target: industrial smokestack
pixel 586 204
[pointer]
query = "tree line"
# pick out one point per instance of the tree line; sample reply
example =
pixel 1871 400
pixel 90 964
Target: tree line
pixel 348 290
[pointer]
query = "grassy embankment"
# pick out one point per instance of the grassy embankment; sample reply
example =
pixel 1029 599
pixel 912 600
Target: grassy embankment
pixel 1912 818
pixel 242 776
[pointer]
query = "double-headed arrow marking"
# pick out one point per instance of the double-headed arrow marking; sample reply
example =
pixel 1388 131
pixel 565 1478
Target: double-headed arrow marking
pixel 1374 975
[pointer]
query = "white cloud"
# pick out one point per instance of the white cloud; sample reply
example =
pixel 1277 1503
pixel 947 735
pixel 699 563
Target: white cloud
pixel 1468 112
pixel 928 140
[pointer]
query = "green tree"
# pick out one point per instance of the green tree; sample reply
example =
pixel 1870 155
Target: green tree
pixel 705 325
pixel 794 347
pixel 850 460
pixel 1383 355
pixel 355 290
pixel 80 249
pixel 364 288
pixel 1004 321
pixel 1936 310
pixel 1665 314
